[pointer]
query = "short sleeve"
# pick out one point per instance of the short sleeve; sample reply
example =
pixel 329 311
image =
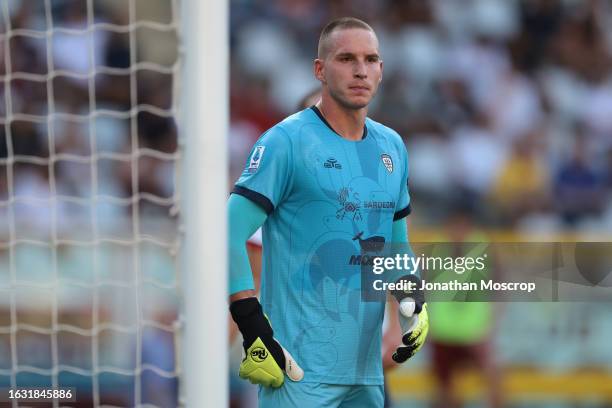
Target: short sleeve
pixel 403 204
pixel 267 172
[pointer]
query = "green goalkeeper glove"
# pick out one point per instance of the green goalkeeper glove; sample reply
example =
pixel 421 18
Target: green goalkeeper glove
pixel 414 320
pixel 265 361
pixel 414 331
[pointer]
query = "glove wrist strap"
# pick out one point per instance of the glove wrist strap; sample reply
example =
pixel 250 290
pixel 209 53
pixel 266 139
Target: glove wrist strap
pixel 251 321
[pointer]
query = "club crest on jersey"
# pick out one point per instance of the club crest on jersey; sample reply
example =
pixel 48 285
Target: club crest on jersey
pixel 386 159
pixel 255 159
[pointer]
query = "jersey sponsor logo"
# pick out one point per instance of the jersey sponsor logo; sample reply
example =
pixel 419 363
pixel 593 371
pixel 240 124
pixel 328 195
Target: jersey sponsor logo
pixel 259 354
pixel 332 163
pixel 362 260
pixel 255 160
pixel 386 159
pixel 379 204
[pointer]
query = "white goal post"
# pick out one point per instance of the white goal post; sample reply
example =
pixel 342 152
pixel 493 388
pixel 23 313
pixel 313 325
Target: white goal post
pixel 205 120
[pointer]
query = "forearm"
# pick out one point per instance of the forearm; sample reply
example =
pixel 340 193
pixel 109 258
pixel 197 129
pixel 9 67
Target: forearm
pixel 399 231
pixel 401 242
pixel 244 219
pixel 402 246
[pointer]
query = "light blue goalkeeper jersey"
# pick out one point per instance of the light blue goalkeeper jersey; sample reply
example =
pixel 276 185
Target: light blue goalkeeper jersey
pixel 325 197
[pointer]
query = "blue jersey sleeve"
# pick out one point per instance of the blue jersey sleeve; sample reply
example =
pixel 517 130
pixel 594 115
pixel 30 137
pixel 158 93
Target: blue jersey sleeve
pixel 244 217
pixel 403 204
pixel 268 170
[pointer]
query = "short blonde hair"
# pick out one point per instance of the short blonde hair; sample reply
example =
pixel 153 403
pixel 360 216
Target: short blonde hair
pixel 342 23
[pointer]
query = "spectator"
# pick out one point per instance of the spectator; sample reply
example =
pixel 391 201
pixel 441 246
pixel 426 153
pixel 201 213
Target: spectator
pixel 579 188
pixel 522 184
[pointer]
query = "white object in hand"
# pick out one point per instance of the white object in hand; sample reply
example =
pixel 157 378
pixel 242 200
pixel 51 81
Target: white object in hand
pixel 408 320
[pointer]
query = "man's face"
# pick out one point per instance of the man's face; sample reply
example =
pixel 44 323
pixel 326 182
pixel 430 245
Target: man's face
pixel 351 70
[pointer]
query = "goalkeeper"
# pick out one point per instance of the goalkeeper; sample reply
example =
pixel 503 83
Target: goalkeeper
pixel 320 183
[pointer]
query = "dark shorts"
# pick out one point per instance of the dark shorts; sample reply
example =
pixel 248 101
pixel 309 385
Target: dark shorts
pixel 449 357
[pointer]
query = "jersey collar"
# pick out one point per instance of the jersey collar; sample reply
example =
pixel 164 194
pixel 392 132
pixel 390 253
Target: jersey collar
pixel 320 115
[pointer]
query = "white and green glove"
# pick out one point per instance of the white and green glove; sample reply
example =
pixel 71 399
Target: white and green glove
pixel 414 321
pixel 265 362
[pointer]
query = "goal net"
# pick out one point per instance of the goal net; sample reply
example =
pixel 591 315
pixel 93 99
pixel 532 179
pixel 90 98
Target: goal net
pixel 89 237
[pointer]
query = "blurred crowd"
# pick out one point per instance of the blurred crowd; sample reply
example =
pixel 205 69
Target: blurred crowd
pixel 112 133
pixel 505 105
